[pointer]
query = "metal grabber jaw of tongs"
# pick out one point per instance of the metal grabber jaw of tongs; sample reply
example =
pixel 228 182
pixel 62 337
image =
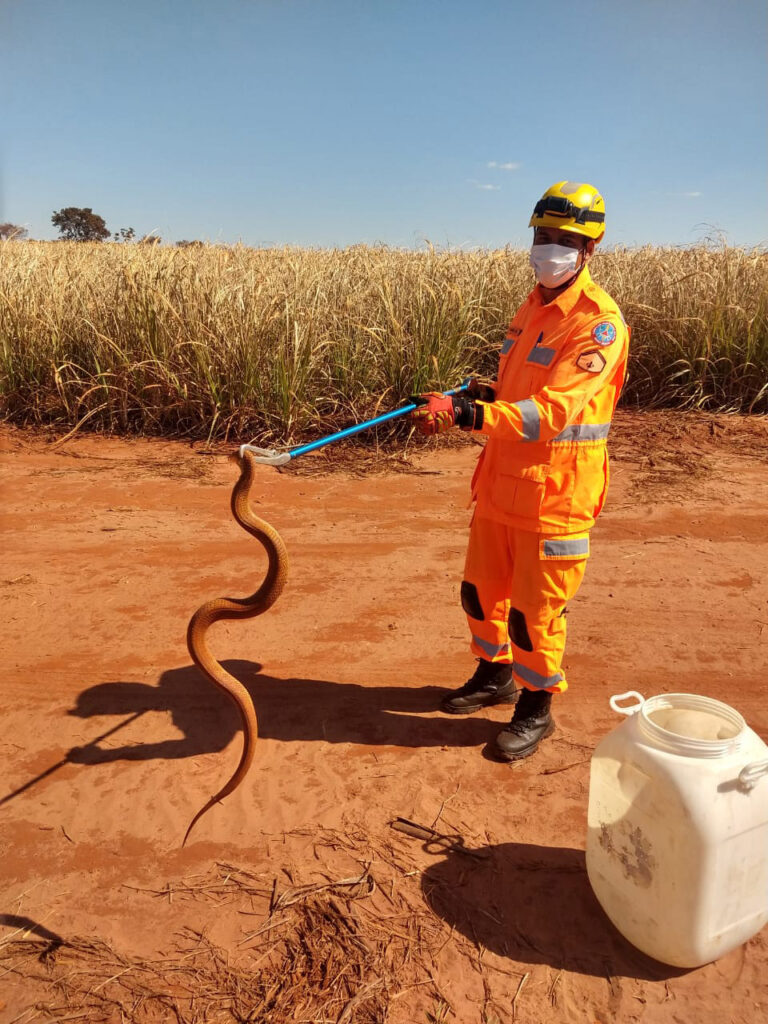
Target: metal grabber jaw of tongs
pixel 265 456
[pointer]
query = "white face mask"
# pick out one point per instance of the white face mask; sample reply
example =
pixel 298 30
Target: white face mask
pixel 554 265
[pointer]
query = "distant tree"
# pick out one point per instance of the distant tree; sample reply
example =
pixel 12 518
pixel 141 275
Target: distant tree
pixel 150 239
pixel 124 235
pixel 80 225
pixel 195 244
pixel 14 231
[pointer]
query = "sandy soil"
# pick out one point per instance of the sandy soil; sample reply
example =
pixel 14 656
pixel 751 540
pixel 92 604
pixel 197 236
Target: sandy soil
pixel 111 740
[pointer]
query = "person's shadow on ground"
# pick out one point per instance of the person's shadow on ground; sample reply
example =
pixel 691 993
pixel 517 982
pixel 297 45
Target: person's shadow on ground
pixel 534 904
pixel 287 709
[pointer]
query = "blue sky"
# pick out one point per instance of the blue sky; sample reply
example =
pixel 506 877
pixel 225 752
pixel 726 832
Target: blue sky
pixel 333 122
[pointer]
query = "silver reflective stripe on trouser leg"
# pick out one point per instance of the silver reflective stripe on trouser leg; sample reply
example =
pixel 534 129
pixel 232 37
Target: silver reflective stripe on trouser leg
pixel 492 650
pixel 531 420
pixel 534 678
pixel 566 548
pixel 584 432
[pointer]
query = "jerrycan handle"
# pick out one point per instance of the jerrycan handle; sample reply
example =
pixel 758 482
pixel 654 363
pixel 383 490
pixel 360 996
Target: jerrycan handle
pixel 614 702
pixel 750 774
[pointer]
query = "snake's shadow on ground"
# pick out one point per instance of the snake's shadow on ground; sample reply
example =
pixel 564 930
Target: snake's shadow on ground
pixel 288 710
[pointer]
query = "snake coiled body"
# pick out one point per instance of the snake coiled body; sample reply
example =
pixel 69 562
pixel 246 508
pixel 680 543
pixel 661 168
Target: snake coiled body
pixel 238 608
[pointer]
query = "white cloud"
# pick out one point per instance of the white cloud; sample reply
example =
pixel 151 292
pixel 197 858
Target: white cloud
pixel 484 187
pixel 503 167
pixel 686 195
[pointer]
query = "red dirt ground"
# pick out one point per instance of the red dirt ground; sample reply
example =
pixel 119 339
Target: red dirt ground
pixel 111 544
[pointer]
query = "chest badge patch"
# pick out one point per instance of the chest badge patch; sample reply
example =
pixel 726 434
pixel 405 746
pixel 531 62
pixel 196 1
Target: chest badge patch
pixel 592 362
pixel 604 333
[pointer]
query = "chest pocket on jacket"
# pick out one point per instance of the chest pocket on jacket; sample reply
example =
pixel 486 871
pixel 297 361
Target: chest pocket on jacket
pixel 541 355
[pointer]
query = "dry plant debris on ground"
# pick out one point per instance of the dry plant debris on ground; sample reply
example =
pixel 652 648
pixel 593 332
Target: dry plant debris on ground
pixel 340 951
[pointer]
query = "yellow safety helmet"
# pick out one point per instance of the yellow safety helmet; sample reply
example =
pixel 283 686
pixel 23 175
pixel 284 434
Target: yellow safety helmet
pixel 571 206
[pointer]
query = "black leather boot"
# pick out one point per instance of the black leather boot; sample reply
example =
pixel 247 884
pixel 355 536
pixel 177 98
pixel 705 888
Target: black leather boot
pixel 530 724
pixel 491 684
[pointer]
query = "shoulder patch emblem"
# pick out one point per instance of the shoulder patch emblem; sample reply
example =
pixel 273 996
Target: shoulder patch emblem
pixel 604 333
pixel 592 362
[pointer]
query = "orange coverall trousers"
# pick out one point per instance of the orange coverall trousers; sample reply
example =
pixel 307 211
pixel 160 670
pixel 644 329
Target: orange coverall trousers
pixel 516 586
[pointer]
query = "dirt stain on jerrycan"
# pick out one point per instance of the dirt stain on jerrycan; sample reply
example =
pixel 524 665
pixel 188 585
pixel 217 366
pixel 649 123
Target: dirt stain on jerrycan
pixel 630 848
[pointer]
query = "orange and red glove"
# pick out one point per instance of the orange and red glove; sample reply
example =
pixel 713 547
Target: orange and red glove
pixel 439 413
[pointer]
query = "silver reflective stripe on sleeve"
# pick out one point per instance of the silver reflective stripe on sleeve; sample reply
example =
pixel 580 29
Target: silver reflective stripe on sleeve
pixel 506 345
pixel 541 355
pixel 566 548
pixel 492 650
pixel 584 432
pixel 534 678
pixel 531 421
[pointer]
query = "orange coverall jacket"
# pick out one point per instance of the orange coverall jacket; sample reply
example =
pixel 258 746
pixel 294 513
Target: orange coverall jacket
pixel 561 369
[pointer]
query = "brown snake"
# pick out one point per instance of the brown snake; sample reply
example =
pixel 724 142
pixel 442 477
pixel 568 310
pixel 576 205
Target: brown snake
pixel 238 608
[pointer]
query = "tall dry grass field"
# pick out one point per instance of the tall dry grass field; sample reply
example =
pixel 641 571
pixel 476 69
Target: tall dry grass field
pixel 281 344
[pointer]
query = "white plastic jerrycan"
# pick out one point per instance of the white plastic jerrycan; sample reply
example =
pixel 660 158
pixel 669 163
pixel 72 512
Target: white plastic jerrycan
pixel 677 846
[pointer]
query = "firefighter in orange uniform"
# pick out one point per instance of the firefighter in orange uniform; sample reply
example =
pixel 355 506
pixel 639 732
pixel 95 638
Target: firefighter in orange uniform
pixel 542 477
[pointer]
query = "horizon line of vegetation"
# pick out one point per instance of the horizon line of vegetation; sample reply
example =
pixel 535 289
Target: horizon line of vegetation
pixel 279 345
pixel 81 224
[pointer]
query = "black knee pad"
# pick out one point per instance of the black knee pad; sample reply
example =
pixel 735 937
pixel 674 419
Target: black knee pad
pixel 470 601
pixel 518 630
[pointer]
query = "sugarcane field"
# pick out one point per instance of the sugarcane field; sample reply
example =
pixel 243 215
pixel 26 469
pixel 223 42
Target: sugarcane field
pixel 384 475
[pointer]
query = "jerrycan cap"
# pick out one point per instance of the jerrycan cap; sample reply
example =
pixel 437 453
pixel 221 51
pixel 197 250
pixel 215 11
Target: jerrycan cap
pixel 685 723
